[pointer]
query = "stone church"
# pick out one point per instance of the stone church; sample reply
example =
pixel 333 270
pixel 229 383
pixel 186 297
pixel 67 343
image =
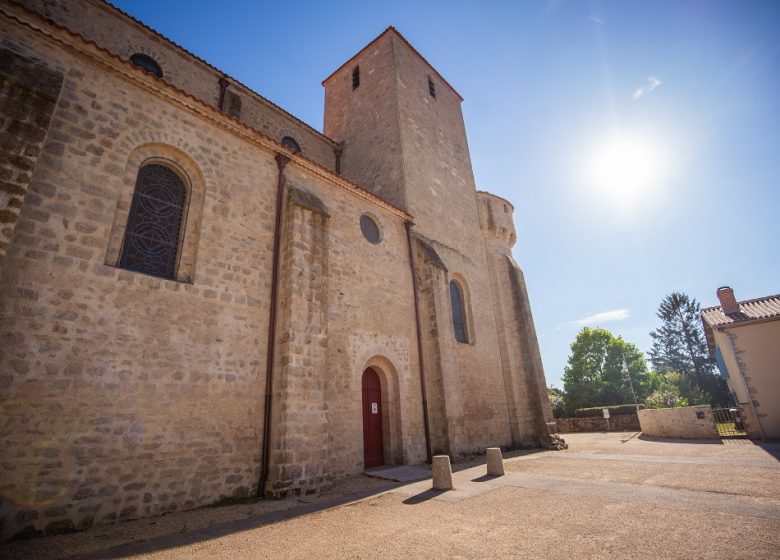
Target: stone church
pixel 204 297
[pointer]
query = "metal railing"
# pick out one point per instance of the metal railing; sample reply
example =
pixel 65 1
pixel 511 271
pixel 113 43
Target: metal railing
pixel 729 423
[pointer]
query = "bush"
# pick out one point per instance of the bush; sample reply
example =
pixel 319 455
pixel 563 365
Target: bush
pixel 614 410
pixel 665 399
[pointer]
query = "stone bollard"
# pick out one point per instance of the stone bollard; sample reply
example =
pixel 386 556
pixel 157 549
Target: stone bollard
pixel 495 462
pixel 442 473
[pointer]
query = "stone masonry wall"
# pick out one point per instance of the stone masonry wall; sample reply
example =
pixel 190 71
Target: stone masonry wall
pixel 695 422
pixel 28 91
pixel 412 149
pixel 521 361
pixel 365 120
pixel 126 395
pixel 619 423
pixel 300 410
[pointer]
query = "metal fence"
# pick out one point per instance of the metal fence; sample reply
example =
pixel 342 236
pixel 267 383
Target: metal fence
pixel 728 423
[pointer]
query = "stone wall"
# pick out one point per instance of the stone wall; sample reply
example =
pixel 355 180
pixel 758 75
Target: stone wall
pixel 365 120
pixel 689 422
pixel 749 421
pixel 29 88
pixel 618 423
pixel 524 379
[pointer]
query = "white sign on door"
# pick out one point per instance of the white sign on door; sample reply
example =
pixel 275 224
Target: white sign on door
pixel 374 408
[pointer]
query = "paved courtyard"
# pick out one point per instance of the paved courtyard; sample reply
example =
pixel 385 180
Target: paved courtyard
pixel 616 495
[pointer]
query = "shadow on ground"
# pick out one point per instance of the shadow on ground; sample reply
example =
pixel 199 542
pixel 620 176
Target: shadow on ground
pixel 223 529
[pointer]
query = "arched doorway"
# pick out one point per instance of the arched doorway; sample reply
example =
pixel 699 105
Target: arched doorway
pixel 373 444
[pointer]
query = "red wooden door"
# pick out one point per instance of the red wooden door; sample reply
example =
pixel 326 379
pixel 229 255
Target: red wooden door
pixel 373 448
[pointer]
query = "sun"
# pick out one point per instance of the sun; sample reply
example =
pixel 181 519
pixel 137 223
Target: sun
pixel 625 169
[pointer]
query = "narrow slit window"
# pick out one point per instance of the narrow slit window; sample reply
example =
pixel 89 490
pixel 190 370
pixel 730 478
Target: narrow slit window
pixel 431 87
pixel 458 312
pixel 355 77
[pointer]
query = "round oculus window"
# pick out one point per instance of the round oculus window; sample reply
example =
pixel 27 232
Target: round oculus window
pixel 370 229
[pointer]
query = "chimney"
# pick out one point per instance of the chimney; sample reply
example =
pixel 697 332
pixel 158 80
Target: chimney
pixel 727 301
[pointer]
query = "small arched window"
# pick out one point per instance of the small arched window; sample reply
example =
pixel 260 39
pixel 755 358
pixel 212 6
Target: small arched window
pixel 292 144
pixel 154 225
pixel 147 63
pixel 458 312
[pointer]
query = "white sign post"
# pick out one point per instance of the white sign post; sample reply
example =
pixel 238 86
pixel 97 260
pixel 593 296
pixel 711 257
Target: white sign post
pixel 605 412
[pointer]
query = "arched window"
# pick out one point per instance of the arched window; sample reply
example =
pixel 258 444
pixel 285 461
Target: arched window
pixel 151 242
pixel 292 144
pixel 458 312
pixel 147 63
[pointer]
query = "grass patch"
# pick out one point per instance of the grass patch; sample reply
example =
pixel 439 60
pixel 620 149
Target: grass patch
pixel 729 429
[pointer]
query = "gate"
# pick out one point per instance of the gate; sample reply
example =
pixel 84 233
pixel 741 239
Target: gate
pixel 728 423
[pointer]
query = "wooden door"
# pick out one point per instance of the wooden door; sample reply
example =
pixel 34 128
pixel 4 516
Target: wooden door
pixel 373 446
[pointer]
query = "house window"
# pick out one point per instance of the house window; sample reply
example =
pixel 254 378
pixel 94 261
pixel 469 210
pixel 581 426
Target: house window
pixel 431 87
pixel 458 312
pixel 151 242
pixel 289 142
pixel 147 63
pixel 355 77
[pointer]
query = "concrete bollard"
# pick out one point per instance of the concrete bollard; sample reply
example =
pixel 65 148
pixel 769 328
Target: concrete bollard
pixel 495 462
pixel 442 473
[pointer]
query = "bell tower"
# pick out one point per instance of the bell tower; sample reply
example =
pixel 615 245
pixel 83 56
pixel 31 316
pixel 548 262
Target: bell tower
pixel 404 137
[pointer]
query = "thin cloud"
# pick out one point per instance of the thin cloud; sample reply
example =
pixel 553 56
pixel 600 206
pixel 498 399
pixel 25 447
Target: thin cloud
pixel 652 83
pixel 597 19
pixel 603 317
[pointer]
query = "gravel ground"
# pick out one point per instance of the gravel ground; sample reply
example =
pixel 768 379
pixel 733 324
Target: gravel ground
pixel 608 496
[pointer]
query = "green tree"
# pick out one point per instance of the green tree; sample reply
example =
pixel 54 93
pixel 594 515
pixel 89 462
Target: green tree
pixel 594 373
pixel 679 346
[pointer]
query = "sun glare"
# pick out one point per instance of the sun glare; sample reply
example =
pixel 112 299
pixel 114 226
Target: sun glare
pixel 626 170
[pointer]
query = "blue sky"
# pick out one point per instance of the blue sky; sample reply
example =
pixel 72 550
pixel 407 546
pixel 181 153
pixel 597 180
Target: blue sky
pixel 547 85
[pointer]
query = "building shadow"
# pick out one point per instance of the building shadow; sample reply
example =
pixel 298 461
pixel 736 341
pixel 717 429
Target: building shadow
pixel 176 540
pixel 643 437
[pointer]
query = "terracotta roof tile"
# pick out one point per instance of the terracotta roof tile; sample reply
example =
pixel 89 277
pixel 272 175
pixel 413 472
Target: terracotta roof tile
pixel 750 310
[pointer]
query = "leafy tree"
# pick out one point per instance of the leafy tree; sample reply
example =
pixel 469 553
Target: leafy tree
pixel 679 346
pixel 556 402
pixel 594 373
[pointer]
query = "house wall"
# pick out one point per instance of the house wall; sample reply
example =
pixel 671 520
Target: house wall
pixel 751 353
